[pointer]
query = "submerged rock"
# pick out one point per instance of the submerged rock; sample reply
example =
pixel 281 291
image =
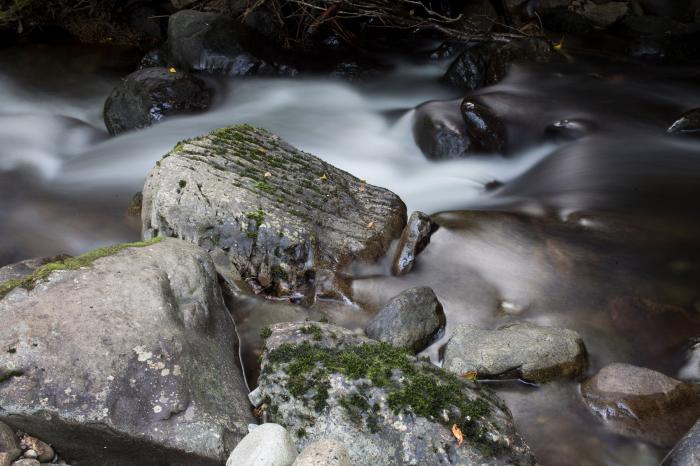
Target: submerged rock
pixel 266 445
pixel 150 94
pixel 324 453
pixel 124 349
pixel 687 125
pixel 439 130
pixel 487 64
pixel 413 241
pixel 410 320
pixel 568 129
pixel 283 217
pixel 642 403
pixel 487 132
pixel 387 407
pixel 524 350
pixel 210 42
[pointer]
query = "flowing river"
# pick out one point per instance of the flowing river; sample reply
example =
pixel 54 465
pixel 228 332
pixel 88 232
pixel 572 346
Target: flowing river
pixel 577 230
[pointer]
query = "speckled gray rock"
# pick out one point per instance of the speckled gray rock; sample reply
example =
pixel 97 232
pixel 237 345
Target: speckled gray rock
pixel 687 125
pixel 9 445
pixel 528 351
pixel 385 406
pixel 687 450
pixel 324 453
pixel 134 352
pixel 27 462
pixel 643 403
pixel 266 445
pixel 413 241
pixel 284 217
pixel 410 320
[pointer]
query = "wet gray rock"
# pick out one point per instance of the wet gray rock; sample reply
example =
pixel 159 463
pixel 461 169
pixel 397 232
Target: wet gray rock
pixel 687 125
pixel 414 239
pixel 200 41
pixel 151 94
pixel 487 64
pixel 27 462
pixel 439 130
pixel 41 451
pixel 569 129
pixel 9 445
pixel 321 381
pixel 284 217
pixel 268 445
pixel 410 320
pixel 642 403
pixel 524 350
pixel 487 132
pixel 133 351
pixel 324 453
pixel 687 450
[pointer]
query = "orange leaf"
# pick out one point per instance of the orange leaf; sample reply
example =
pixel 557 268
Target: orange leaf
pixel 457 432
pixel 471 375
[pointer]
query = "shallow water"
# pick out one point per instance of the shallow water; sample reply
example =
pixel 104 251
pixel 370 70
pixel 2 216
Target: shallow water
pixel 577 231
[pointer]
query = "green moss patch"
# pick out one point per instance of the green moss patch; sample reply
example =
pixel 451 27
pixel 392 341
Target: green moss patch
pixel 28 282
pixel 415 388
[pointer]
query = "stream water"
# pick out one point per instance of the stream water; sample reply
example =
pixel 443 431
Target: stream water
pixel 578 231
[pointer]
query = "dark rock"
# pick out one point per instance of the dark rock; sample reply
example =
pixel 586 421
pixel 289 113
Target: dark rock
pixel 687 450
pixel 410 320
pixel 523 350
pixel 661 39
pixel 687 125
pixel 384 405
pixel 209 42
pixel 479 15
pixel 413 241
pixel 568 130
pixel 439 130
pixel 487 132
pixel 561 19
pixel 156 58
pixel 691 369
pixel 126 349
pixel 282 216
pixel 487 64
pixel 9 445
pixel 149 95
pixel 642 403
pixel 43 452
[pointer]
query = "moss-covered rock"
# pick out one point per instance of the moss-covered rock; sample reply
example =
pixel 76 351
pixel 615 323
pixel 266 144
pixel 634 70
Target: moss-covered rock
pixel 284 217
pixel 386 406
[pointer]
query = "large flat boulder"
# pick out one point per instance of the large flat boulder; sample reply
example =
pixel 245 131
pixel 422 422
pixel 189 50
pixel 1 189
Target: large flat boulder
pixel 125 349
pixel 387 407
pixel 284 217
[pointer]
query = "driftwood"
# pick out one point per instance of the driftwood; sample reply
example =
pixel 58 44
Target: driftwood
pixel 303 18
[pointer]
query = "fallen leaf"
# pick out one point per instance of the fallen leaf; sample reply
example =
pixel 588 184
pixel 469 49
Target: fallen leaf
pixel 324 177
pixel 259 410
pixel 267 175
pixel 370 225
pixel 457 432
pixel 172 70
pixel 470 375
pixel 559 45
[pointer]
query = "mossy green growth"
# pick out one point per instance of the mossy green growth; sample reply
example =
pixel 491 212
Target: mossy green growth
pixel 411 387
pixel 257 215
pixel 265 187
pixel 7 374
pixel 72 263
pixel 314 330
pixel 265 333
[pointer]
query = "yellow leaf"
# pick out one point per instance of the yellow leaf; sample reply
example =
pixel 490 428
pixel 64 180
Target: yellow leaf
pixel 559 45
pixel 324 177
pixel 471 375
pixel 457 432
pixel 172 70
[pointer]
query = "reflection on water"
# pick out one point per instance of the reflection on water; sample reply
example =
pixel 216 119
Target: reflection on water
pixel 600 235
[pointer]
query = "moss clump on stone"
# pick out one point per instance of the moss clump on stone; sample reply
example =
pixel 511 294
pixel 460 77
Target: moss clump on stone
pixel 265 333
pixel 265 187
pixel 314 330
pixel 257 215
pixel 28 282
pixel 7 374
pixel 411 387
